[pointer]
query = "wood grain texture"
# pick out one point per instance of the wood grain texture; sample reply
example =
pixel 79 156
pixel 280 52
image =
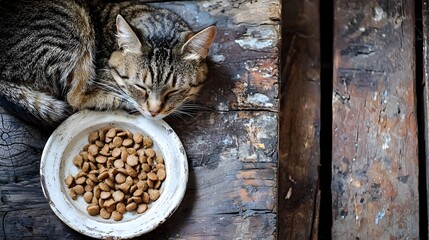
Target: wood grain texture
pixel 299 127
pixel 231 142
pixel 425 32
pixel 374 155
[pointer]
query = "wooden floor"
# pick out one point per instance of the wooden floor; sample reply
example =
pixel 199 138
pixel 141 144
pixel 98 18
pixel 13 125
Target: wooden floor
pixel 338 150
pixel 231 146
pixel 353 124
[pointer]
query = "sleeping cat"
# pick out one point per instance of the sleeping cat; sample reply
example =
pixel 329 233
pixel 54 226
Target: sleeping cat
pixel 61 56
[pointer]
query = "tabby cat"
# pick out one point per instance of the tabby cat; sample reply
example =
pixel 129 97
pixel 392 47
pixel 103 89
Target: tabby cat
pixel 61 56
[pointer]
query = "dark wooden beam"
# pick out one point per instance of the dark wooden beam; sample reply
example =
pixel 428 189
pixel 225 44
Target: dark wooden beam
pixel 299 143
pixel 375 144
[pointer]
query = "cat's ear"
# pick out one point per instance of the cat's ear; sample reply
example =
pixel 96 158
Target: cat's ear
pixel 197 47
pixel 127 38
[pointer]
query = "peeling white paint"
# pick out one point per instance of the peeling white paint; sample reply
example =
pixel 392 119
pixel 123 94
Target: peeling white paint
pixel 257 38
pixel 259 99
pixel 218 58
pixel 379 14
pixel 386 143
pixel 251 43
pixel 380 216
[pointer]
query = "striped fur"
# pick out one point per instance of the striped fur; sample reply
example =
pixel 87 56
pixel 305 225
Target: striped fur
pixel 58 56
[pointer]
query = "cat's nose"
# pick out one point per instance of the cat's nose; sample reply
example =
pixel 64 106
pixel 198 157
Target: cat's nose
pixel 154 113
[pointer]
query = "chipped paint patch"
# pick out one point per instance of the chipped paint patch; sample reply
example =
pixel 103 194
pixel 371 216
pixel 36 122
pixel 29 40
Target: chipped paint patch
pixel 386 143
pixel 380 216
pixel 258 38
pixel 259 99
pixel 217 58
pixel 378 14
pixel 250 43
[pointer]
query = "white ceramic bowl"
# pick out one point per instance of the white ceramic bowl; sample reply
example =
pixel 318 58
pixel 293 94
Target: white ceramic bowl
pixel 68 140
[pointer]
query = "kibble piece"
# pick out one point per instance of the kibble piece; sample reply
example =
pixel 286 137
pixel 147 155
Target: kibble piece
pixel 99 143
pixel 109 202
pixel 80 180
pixel 118 196
pixel 118 163
pixel 150 161
pixel 138 137
pixel 131 151
pixel 93 149
pixel 88 197
pixel 116 152
pixel 145 197
pixel 150 183
pixel 117 141
pixel 131 172
pixel 111 133
pixel 78 161
pixel 146 167
pixel 93 177
pixel 129 180
pixel 150 152
pixel 101 159
pixel 103 175
pixel 153 194
pixel 104 213
pixel 142 175
pixel 105 195
pixel 147 142
pixel 84 155
pixel 133 188
pixel 157 184
pixel 97 191
pixel 109 183
pixel 93 136
pixel 127 142
pixel 92 166
pixel 132 206
pixel 159 159
pixel 91 158
pixel 132 160
pixel 137 200
pixel 124 187
pixel 152 176
pixel 120 178
pixel 73 193
pixel 161 174
pixel 88 188
pixel 124 155
pixel 117 216
pixel 138 192
pixel 93 210
pixel 111 208
pixel 120 207
pixel 103 186
pixel 105 150
pixel 141 208
pixel 69 181
pixel 79 189
pixel 122 134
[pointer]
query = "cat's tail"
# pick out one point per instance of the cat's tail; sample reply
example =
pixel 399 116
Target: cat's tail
pixel 33 106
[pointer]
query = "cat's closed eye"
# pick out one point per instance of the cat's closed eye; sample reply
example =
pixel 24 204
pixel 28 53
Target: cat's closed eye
pixel 171 93
pixel 141 87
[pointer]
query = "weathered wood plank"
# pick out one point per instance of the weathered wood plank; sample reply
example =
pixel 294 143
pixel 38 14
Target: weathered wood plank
pixel 425 32
pixel 231 142
pixel 374 155
pixel 299 145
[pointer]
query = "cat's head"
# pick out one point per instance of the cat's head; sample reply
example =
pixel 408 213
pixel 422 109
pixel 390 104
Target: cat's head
pixel 159 74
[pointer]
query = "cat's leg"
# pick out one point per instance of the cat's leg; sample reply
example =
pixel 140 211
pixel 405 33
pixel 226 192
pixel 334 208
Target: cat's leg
pixel 32 105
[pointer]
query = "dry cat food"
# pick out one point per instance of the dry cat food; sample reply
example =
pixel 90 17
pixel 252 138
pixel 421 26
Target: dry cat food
pixel 119 172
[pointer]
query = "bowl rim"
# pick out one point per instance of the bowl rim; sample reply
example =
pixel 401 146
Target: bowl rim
pixel 104 118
